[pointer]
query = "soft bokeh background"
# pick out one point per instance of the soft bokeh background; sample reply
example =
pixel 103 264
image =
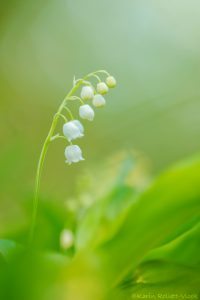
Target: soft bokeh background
pixel 151 47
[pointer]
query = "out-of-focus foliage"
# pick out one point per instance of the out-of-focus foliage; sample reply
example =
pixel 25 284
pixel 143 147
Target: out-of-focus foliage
pixel 131 240
pixel 131 235
pixel 8 249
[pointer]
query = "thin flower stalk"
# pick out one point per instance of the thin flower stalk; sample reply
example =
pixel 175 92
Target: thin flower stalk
pixel 73 153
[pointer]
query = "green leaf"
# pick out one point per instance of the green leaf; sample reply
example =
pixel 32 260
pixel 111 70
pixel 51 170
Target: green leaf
pixel 174 267
pixel 182 250
pixel 104 218
pixel 157 278
pixel 169 203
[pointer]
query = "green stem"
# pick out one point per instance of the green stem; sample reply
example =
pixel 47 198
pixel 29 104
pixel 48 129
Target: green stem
pixel 69 112
pixel 77 98
pixel 44 151
pixel 57 136
pixel 96 76
pixel 62 116
pixel 102 71
pixel 42 157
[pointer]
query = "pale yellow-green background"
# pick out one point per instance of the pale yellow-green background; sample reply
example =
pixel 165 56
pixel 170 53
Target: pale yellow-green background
pixel 151 47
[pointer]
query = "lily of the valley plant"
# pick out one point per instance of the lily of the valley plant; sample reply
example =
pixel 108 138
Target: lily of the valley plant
pixel 88 96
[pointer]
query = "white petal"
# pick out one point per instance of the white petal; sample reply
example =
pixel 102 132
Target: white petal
pixel 66 239
pixel 87 93
pixel 79 125
pixel 98 100
pixel 73 154
pixel 111 81
pixel 102 88
pixel 86 112
pixel 71 131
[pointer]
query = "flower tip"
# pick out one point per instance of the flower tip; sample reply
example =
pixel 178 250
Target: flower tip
pixel 102 88
pixel 111 82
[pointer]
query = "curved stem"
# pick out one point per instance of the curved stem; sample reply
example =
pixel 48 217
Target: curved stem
pixel 58 136
pixel 76 98
pixel 45 148
pixel 37 186
pixel 61 115
pixel 42 157
pixel 102 71
pixel 96 76
pixel 69 112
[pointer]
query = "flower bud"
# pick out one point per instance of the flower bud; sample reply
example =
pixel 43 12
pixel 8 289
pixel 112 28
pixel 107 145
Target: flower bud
pixel 111 81
pixel 73 130
pixel 66 239
pixel 87 93
pixel 98 100
pixel 73 154
pixel 86 112
pixel 102 88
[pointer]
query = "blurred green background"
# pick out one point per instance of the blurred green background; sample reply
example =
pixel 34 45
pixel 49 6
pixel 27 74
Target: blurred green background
pixel 151 47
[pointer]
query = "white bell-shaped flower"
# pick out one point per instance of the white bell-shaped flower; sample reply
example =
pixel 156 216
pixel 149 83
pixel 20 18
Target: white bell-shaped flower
pixel 87 93
pixel 73 154
pixel 102 88
pixel 66 239
pixel 98 100
pixel 111 81
pixel 73 130
pixel 86 112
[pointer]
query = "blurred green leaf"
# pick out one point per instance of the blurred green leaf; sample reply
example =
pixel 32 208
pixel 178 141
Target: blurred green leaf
pixel 182 250
pixel 104 218
pixel 170 202
pixel 174 267
pixel 159 278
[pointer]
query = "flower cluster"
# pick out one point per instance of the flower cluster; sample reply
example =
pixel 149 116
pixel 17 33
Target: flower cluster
pixel 74 129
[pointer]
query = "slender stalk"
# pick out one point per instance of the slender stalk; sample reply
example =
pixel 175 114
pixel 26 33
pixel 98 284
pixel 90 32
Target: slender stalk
pixel 69 112
pixel 55 137
pixel 42 157
pixel 45 148
pixel 77 98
